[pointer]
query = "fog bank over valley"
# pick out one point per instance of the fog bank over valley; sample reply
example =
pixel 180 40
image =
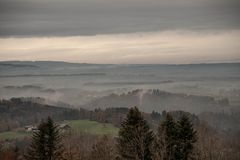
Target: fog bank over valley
pixel 194 87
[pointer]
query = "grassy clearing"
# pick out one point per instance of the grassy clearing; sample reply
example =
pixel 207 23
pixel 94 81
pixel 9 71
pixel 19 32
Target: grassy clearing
pixel 14 135
pixel 78 126
pixel 93 127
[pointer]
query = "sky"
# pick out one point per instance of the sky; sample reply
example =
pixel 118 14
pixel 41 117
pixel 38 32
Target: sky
pixel 120 31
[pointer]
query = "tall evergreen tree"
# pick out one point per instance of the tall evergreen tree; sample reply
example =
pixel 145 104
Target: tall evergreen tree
pixel 46 143
pixel 135 138
pixel 167 138
pixel 186 137
pixel 175 139
pixel 36 150
pixel 54 147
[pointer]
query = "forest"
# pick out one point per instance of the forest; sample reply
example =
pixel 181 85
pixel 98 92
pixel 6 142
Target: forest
pixel 141 135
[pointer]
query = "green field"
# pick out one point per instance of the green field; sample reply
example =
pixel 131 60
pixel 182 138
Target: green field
pixel 14 135
pixel 78 126
pixel 93 127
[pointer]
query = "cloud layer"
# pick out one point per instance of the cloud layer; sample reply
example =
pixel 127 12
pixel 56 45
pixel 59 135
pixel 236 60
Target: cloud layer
pixel 90 17
pixel 120 31
pixel 146 47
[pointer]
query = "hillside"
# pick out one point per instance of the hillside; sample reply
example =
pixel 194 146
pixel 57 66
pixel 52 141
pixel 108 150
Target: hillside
pixel 18 112
pixel 149 100
pixel 77 127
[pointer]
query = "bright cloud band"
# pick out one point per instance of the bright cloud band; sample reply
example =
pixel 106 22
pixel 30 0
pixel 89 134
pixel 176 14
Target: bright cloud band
pixel 148 47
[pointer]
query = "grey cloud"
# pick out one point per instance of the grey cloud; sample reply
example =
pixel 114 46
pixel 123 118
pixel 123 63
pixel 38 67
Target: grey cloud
pixel 90 17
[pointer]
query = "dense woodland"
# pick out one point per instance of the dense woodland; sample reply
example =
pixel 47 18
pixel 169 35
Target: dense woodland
pixel 213 135
pixel 18 112
pixel 158 100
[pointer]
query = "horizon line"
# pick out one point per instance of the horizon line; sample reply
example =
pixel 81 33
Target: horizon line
pixel 226 62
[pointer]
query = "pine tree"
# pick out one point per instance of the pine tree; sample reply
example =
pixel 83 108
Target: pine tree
pixel 135 138
pixel 186 138
pixel 36 150
pixel 175 139
pixel 54 148
pixel 167 138
pixel 46 143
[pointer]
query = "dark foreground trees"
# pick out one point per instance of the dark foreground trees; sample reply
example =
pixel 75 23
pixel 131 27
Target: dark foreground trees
pixel 186 137
pixel 103 150
pixel 46 143
pixel 166 140
pixel 135 137
pixel 175 140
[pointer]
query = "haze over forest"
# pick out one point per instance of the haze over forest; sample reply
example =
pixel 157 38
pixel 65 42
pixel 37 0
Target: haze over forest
pixel 79 84
pixel 119 79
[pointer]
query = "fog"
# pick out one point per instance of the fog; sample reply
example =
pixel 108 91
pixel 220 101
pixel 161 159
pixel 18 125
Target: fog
pixel 82 85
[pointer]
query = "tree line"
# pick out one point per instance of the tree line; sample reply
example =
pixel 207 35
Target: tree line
pixel 136 141
pixel 175 138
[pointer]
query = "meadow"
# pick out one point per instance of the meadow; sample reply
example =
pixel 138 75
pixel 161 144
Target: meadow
pixel 77 126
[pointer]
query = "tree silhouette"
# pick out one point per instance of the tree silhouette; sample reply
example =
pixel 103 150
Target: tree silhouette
pixel 168 138
pixel 186 137
pixel 175 139
pixel 135 137
pixel 46 143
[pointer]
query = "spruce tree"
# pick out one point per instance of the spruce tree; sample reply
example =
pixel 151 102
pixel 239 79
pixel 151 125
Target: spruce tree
pixel 36 150
pixel 175 139
pixel 135 138
pixel 54 148
pixel 186 138
pixel 46 143
pixel 167 133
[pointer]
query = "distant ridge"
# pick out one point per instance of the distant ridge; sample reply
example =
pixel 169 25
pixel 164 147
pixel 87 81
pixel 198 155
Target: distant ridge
pixel 53 75
pixel 75 63
pixel 53 62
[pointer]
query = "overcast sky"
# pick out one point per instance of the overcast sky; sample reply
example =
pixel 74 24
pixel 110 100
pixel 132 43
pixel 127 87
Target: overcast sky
pixel 120 31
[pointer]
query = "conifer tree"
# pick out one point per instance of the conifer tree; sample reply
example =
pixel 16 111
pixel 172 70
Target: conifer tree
pixel 168 138
pixel 36 150
pixel 135 138
pixel 175 139
pixel 54 147
pixel 186 138
pixel 46 143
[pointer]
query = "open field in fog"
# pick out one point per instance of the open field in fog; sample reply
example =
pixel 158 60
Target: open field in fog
pixel 77 126
pixel 93 127
pixel 14 135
